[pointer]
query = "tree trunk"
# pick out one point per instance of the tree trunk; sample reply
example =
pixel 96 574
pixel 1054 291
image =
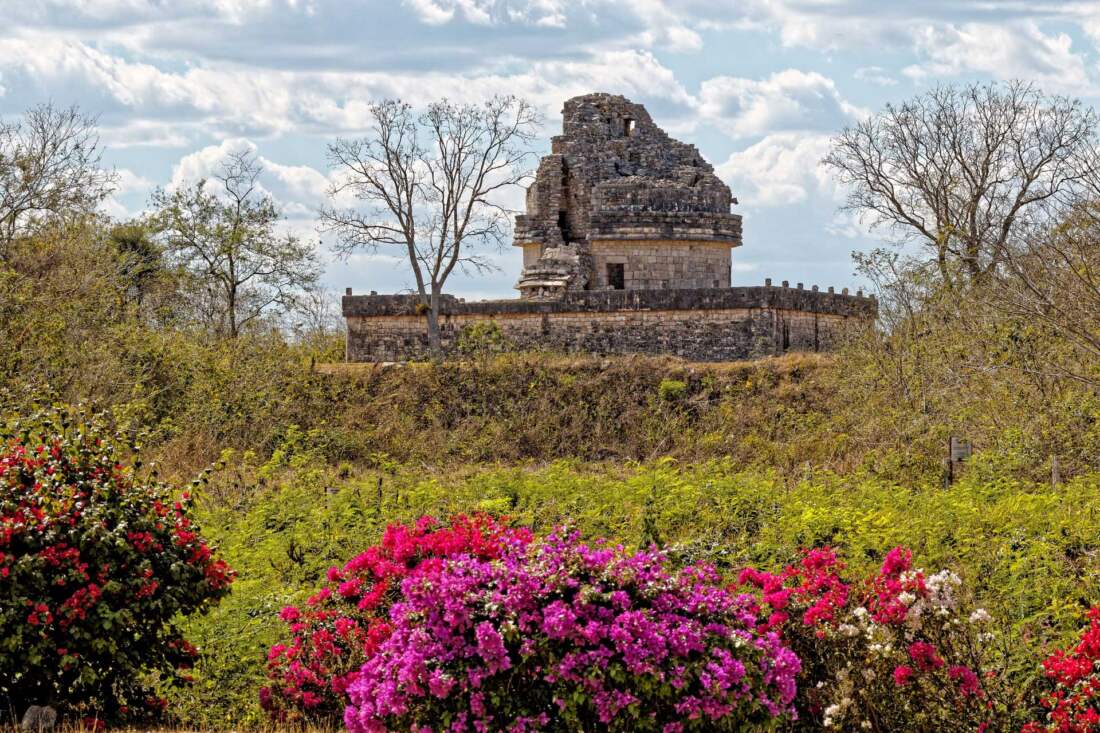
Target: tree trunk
pixel 435 344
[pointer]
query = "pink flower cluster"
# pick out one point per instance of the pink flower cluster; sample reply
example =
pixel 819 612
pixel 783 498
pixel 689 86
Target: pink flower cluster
pixel 887 588
pixel 812 589
pixel 347 619
pixel 560 633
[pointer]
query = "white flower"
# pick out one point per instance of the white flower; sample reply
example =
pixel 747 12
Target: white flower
pixel 941 588
pixel 860 612
pixel 866 725
pixel 848 630
pixel 907 598
pixel 980 616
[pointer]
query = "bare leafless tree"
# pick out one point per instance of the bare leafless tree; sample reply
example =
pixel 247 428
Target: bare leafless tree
pixel 1051 283
pixel 50 169
pixel 317 316
pixel 963 171
pixel 429 184
pixel 225 240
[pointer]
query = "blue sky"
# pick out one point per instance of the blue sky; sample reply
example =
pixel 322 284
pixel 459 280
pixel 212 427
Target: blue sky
pixel 758 85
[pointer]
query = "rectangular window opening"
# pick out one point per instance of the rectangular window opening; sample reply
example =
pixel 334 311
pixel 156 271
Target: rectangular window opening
pixel 628 126
pixel 616 275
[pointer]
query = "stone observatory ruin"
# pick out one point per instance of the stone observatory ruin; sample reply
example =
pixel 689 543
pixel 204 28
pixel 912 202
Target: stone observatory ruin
pixel 627 241
pixel 620 205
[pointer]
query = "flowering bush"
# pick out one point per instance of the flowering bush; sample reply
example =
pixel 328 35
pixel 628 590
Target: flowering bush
pixel 803 603
pixel 904 652
pixel 562 636
pixel 95 564
pixel 915 655
pixel 348 618
pixel 1073 705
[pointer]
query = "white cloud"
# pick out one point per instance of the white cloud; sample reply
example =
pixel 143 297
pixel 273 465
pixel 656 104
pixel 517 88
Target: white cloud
pixel 782 169
pixel 204 163
pixel 127 181
pixel 875 75
pixel 787 100
pixel 227 100
pixel 1004 51
pixel 430 12
pixel 299 190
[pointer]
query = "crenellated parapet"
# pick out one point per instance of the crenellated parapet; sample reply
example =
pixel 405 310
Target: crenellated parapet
pixel 699 324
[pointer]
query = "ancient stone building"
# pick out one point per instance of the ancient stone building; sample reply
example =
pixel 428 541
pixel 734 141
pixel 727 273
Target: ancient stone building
pixel 619 204
pixel 627 240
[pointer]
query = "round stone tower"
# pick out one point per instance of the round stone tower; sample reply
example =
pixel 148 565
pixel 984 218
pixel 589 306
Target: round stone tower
pixel 618 204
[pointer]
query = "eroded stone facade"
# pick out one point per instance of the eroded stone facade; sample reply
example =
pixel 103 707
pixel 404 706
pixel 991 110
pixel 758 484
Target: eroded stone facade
pixel 617 190
pixel 714 324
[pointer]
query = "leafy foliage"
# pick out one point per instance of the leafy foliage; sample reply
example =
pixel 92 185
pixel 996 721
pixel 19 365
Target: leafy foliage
pixel 1025 551
pixel 96 565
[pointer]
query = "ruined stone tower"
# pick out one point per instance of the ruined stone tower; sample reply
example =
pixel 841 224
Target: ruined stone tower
pixel 626 250
pixel 620 205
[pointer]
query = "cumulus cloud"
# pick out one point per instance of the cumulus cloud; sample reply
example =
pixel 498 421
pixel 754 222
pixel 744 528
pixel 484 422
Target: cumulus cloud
pixel 228 101
pixel 649 23
pixel 129 187
pixel 1020 51
pixel 787 100
pixel 780 170
pixel 875 75
pixel 299 189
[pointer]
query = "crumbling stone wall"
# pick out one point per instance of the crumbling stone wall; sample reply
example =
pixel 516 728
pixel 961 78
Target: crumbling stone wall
pixel 700 325
pixel 615 175
pixel 626 249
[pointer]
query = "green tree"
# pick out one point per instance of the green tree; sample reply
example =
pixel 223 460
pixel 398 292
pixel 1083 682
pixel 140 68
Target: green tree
pixel 223 235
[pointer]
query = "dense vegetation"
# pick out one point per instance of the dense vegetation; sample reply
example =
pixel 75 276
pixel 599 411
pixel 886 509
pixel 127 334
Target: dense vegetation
pixel 99 566
pixel 735 465
pixel 1024 549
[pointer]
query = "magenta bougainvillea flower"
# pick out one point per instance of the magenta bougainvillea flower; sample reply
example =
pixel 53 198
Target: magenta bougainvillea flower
pixel 348 618
pixel 561 635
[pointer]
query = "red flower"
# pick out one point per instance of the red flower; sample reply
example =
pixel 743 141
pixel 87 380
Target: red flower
pixel 902 675
pixel 924 656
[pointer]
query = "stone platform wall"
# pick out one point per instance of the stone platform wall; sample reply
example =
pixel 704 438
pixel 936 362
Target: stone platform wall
pixel 719 324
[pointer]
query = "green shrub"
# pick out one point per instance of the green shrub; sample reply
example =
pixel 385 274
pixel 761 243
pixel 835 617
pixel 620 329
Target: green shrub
pixel 97 566
pixel 672 390
pixel 1030 553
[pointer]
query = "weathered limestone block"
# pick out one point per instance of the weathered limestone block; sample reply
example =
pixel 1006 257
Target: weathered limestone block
pixel 702 324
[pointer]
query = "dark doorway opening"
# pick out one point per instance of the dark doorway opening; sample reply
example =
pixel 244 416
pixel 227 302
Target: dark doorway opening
pixel 616 275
